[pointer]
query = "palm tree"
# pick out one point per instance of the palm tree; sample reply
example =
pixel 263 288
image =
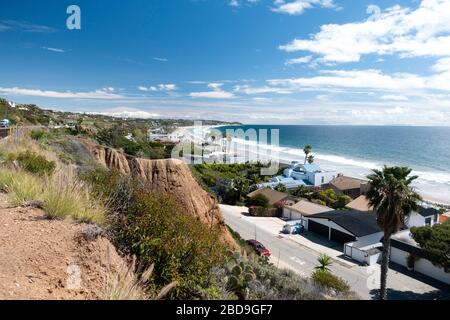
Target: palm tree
pixel 307 150
pixel 393 199
pixel 310 159
pixel 325 262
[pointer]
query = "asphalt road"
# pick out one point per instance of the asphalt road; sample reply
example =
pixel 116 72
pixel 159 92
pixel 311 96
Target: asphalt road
pixel 363 280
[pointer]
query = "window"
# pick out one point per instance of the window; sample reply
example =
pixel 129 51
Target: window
pixel 323 180
pixel 428 221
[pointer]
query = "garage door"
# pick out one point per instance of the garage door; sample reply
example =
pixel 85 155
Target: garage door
pixel 341 237
pixel 318 228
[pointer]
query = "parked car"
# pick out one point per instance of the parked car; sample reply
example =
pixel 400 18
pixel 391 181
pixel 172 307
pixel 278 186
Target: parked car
pixel 259 248
pixel 293 227
pixel 4 123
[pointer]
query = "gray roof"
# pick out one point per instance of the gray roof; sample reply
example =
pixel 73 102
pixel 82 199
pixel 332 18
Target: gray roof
pixel 356 222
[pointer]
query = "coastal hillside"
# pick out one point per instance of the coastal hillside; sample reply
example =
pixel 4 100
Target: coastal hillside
pixel 42 258
pixel 169 176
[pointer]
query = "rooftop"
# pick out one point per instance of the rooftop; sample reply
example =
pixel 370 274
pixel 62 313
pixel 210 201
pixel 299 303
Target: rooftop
pixel 356 222
pixel 273 195
pixel 347 183
pixel 361 204
pixel 307 208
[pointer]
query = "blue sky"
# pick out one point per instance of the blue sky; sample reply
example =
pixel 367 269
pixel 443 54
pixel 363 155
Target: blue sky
pixel 255 61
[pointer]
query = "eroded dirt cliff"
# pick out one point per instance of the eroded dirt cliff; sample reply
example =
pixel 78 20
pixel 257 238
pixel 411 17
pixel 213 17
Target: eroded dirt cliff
pixel 169 175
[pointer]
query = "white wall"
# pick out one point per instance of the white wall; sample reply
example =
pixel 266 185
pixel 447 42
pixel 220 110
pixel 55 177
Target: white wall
pixel 291 214
pixel 399 256
pixel 422 266
pixel 415 220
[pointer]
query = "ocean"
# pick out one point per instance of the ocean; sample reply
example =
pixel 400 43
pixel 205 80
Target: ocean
pixel 355 150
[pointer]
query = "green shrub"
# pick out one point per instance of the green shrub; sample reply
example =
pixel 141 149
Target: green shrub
pixel 34 163
pixel 20 186
pixel 258 200
pixel 152 227
pixel 328 280
pixel 37 134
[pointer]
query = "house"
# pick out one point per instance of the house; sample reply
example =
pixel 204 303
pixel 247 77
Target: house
pixel 159 134
pixel 352 187
pixel 298 174
pixel 302 209
pixel 424 217
pixel 275 197
pixel 345 225
pixel 403 245
pixel 361 204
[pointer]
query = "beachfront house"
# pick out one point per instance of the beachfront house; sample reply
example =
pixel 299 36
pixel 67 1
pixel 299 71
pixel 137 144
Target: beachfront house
pixel 352 187
pixel 160 135
pixel 298 174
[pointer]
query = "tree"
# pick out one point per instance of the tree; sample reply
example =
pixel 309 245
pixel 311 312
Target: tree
pixel 307 150
pixel 342 201
pixel 324 263
pixel 280 187
pixel 393 198
pixel 435 241
pixel 258 200
pixel 310 159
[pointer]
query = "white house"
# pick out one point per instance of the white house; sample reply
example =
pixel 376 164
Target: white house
pixel 403 245
pixel 160 135
pixel 424 217
pixel 298 174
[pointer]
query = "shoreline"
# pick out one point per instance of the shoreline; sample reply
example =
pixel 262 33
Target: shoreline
pixel 347 169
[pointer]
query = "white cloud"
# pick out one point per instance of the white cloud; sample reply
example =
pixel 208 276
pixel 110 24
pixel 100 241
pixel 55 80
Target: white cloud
pixel 54 49
pixel 260 90
pixel 394 97
pixel 396 30
pixel 160 59
pixel 300 60
pixel 369 79
pixel 216 93
pixel 104 93
pixel 297 7
pixel 124 112
pixel 159 87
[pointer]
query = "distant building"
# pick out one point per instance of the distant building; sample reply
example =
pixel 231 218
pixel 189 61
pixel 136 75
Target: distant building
pixel 352 187
pixel 161 136
pixel 302 209
pixel 298 174
pixel 275 197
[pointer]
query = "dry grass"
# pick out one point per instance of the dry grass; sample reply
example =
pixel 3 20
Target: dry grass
pixel 127 285
pixel 66 196
pixel 62 194
pixel 21 186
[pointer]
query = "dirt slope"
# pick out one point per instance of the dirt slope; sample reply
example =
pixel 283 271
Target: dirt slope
pixel 169 175
pixel 41 259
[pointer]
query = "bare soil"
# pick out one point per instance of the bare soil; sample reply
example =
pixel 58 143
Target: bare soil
pixel 50 259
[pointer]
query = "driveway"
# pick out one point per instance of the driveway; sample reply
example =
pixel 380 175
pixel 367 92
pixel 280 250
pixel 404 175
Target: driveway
pixel 300 254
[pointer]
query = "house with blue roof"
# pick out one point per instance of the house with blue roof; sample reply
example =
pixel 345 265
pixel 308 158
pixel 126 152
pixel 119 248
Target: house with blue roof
pixel 299 174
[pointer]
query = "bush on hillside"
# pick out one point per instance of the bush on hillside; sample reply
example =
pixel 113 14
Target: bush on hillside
pixel 328 280
pixel 37 134
pixel 34 163
pixel 258 200
pixel 151 226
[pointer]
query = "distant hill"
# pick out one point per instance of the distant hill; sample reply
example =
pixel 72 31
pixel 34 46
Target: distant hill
pixel 30 114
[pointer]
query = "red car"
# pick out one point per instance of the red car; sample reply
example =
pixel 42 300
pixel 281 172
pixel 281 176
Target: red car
pixel 259 248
